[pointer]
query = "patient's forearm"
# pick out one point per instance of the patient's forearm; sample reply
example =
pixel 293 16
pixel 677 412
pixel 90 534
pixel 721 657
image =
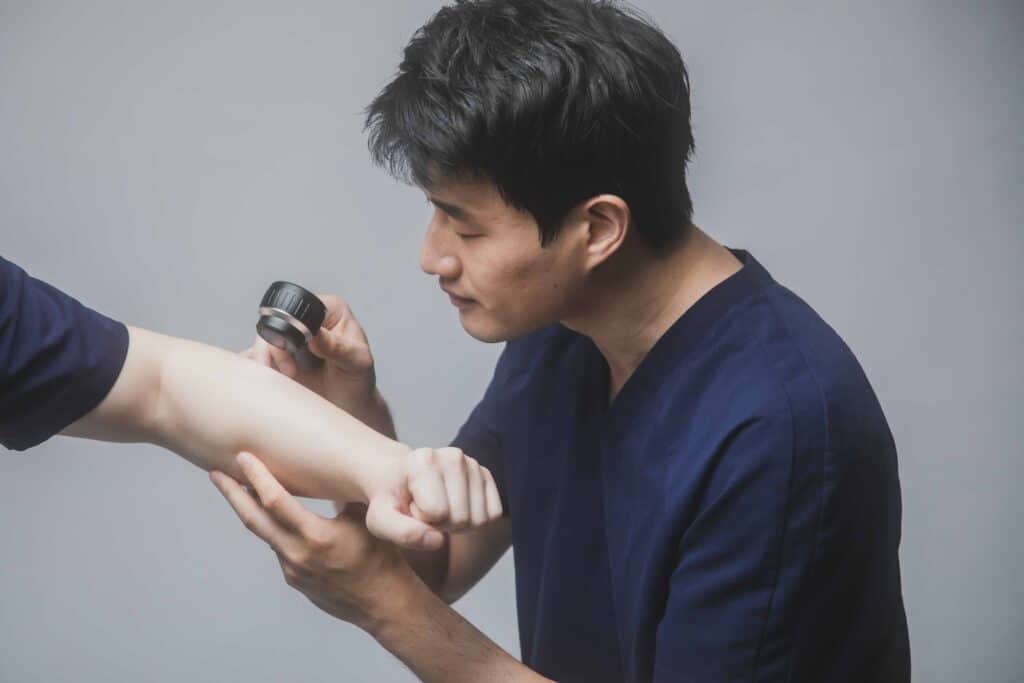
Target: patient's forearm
pixel 207 405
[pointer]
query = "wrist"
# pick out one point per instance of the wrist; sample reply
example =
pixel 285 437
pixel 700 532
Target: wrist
pixel 382 471
pixel 392 614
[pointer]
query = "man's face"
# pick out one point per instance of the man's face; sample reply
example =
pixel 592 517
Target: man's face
pixel 488 257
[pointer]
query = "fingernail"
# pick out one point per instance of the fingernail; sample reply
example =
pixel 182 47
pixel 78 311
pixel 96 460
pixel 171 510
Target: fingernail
pixel 243 459
pixel 215 477
pixel 432 539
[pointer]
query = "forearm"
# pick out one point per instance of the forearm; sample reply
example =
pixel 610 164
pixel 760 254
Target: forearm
pixel 207 405
pixel 431 566
pixel 376 414
pixel 439 645
pixel 463 560
pixel 312 447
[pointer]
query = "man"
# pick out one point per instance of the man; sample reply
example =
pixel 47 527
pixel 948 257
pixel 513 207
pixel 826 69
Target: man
pixel 698 479
pixel 65 368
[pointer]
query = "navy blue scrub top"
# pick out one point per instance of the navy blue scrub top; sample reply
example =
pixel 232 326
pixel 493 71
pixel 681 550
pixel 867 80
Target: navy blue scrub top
pixel 732 515
pixel 58 359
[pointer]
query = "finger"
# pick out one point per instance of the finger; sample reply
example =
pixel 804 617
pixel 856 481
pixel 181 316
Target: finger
pixel 281 505
pixel 416 513
pixel 342 350
pixel 337 310
pixel 283 361
pixel 426 486
pixel 261 353
pixel 456 484
pixel 383 520
pixel 477 496
pixel 328 345
pixel 253 516
pixel 494 507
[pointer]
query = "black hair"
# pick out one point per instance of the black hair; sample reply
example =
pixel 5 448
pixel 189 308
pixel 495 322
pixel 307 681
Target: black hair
pixel 555 101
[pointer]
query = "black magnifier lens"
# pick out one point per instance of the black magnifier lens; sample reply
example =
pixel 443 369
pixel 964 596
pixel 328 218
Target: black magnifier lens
pixel 290 316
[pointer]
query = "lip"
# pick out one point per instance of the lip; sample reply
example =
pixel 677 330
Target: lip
pixel 458 301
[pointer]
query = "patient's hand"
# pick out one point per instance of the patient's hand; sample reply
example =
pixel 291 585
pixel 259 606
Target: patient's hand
pixel 443 487
pixel 347 377
pixel 412 498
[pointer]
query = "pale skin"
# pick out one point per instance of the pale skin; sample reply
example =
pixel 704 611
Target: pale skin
pixel 595 278
pixel 208 405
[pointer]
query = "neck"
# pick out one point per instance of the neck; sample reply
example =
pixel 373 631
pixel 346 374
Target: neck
pixel 640 295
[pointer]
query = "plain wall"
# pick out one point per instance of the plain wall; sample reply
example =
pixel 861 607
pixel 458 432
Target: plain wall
pixel 164 162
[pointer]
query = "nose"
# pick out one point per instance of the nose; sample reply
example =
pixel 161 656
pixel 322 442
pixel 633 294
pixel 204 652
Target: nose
pixel 436 257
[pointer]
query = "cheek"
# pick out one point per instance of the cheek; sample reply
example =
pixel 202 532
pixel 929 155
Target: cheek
pixel 530 288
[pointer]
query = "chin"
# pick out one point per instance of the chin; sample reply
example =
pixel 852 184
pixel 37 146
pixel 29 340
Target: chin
pixel 491 331
pixel 485 333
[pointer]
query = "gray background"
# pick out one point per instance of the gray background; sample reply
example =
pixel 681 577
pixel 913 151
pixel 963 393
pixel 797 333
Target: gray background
pixel 164 162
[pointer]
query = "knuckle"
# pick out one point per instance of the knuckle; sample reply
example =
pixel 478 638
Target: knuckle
pixel 435 510
pixel 459 518
pixel 344 309
pixel 427 504
pixel 317 540
pixel 452 459
pixel 425 456
pixel 297 557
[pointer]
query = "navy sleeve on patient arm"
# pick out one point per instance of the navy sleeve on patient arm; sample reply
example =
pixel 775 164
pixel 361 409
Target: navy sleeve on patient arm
pixel 58 359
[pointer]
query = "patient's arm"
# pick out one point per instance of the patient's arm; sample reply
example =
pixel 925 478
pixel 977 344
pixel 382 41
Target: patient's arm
pixel 208 405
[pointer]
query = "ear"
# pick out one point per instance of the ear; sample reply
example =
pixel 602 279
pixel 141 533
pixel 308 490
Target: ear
pixel 608 219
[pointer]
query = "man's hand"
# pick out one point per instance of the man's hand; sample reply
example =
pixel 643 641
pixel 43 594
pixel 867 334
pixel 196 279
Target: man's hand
pixel 351 575
pixel 336 563
pixel 347 377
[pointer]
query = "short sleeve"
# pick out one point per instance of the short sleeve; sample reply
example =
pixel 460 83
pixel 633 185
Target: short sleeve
pixel 58 358
pixel 480 436
pixel 726 579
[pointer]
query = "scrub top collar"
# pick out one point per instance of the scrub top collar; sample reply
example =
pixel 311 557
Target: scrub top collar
pixel 684 334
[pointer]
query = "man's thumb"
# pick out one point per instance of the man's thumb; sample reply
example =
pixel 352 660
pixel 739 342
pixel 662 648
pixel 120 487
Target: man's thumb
pixel 328 346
